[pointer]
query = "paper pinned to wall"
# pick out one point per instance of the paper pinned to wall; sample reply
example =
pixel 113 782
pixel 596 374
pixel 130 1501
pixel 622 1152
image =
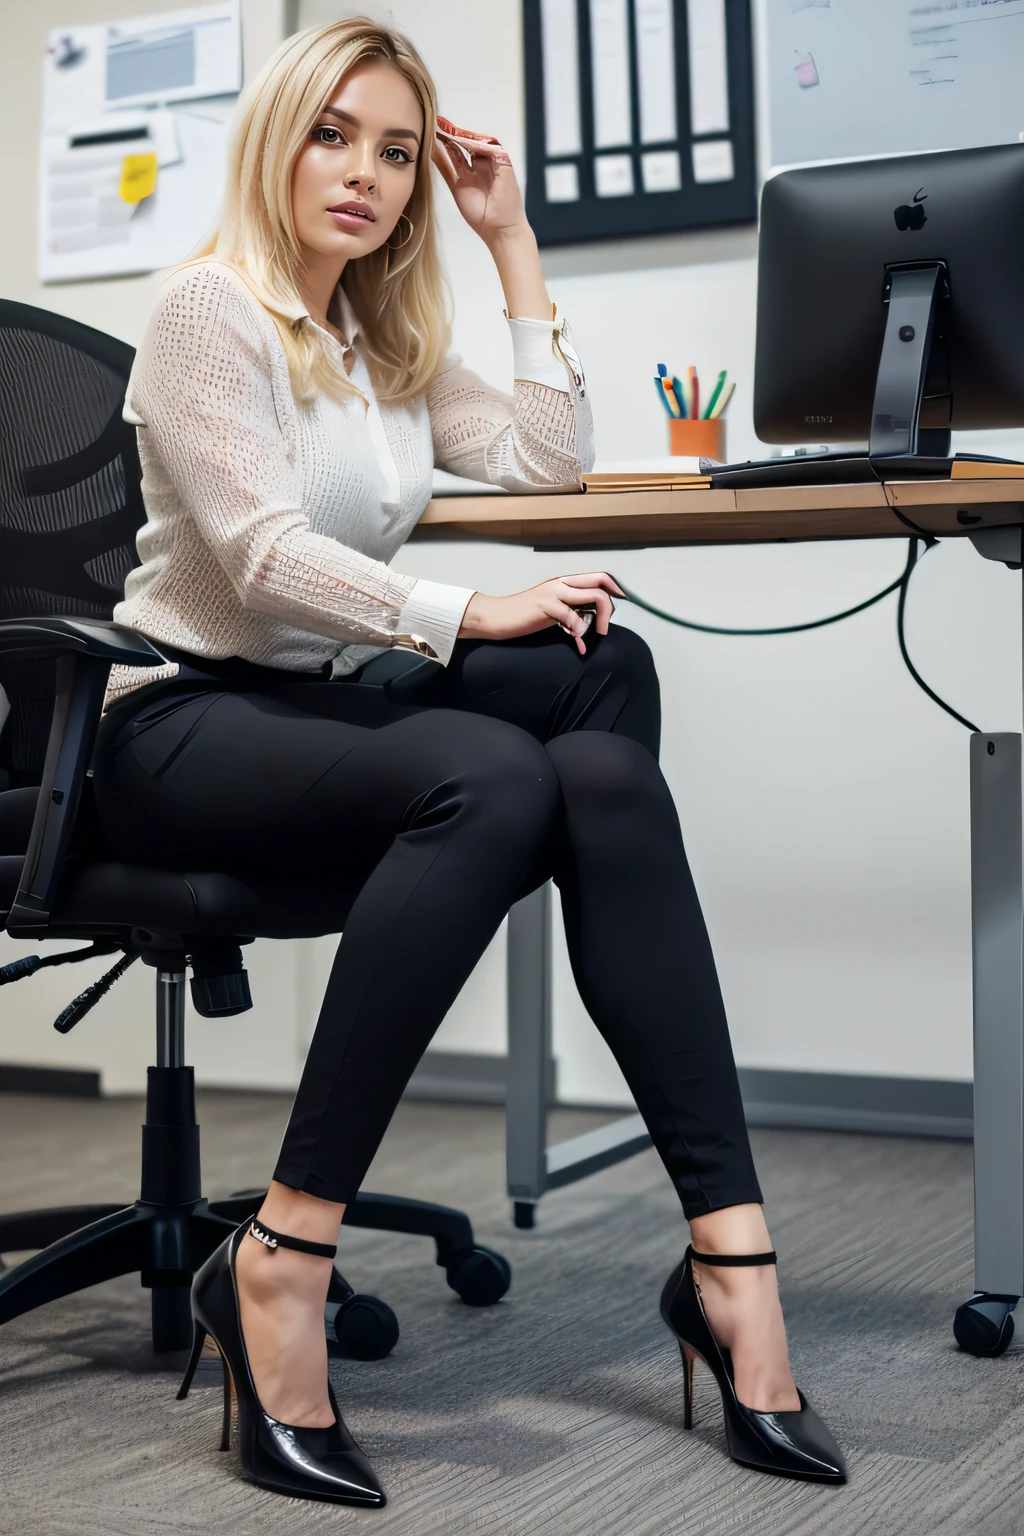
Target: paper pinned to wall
pixel 145 60
pixel 156 91
pixel 713 161
pixel 560 54
pixel 609 46
pixel 709 66
pixel 656 70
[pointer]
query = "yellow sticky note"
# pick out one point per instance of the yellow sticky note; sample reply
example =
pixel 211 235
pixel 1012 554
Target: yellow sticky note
pixel 138 177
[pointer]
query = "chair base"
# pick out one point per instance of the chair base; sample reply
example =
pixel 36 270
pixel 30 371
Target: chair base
pixel 164 1245
pixel 166 1241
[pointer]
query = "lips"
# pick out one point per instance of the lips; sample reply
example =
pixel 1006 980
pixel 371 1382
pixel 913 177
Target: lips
pixel 355 210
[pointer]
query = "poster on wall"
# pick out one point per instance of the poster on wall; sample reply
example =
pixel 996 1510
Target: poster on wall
pixel 135 125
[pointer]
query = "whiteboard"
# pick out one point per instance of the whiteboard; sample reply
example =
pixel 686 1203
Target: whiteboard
pixel 866 77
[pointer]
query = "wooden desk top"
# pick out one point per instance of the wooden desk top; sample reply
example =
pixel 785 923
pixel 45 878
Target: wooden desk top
pixel 636 519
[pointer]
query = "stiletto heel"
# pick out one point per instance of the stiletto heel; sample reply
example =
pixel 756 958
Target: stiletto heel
pixel 324 1464
pixel 198 1340
pixel 225 1423
pixel 791 1444
pixel 688 1358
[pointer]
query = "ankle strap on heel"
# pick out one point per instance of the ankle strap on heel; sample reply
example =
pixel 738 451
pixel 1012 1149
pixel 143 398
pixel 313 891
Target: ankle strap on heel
pixel 272 1240
pixel 733 1260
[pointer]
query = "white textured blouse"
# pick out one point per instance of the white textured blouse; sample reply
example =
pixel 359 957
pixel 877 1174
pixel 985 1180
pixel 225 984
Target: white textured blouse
pixel 269 523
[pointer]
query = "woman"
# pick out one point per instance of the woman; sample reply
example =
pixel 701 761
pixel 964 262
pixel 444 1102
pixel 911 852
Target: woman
pixel 291 396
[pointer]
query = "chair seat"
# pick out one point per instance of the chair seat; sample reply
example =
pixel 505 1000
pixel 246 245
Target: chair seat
pixel 201 901
pixel 108 893
pixel 114 895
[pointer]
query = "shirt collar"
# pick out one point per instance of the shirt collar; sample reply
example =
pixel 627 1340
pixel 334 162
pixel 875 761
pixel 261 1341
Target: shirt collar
pixel 347 315
pixel 349 325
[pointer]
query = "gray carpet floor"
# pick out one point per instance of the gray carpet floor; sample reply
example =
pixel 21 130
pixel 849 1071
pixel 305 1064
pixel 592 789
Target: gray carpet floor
pixel 557 1412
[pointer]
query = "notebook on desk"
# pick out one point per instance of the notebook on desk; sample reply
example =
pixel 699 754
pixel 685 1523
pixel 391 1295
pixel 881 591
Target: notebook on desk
pixel 665 474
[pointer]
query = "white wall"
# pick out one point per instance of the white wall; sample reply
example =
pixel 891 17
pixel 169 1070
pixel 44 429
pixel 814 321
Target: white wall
pixel 823 798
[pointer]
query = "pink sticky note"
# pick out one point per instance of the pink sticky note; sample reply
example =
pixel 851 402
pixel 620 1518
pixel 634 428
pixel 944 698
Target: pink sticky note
pixel 806 70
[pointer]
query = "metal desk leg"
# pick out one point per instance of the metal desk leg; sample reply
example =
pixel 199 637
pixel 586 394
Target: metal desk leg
pixel 984 1325
pixel 529 1050
pixel 531 1165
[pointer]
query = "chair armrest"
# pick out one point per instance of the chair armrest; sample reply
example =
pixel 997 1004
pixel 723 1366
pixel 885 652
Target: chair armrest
pixel 98 638
pixel 84 651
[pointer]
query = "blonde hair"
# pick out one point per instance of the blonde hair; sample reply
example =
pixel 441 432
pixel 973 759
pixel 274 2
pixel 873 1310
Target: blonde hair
pixel 398 291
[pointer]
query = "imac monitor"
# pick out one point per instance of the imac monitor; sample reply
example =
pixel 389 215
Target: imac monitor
pixel 890 305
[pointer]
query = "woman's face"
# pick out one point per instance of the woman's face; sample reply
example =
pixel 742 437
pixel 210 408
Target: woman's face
pixel 356 172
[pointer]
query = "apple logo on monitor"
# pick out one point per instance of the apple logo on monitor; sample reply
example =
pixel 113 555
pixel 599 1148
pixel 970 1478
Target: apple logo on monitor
pixel 912 215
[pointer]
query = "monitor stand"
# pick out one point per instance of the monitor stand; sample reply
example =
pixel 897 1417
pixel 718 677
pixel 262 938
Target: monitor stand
pixel 898 445
pixel 899 448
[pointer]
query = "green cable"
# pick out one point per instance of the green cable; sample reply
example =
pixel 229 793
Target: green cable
pixel 901 585
pixel 781 629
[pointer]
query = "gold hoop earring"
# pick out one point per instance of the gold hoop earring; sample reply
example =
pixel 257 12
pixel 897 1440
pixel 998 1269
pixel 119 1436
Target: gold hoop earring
pixel 398 244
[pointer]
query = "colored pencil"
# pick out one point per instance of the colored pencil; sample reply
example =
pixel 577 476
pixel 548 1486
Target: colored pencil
pixel 713 401
pixel 659 386
pixel 723 402
pixel 695 391
pixel 685 398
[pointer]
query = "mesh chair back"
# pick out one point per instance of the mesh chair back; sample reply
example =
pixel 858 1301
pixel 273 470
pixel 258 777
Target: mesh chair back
pixel 70 499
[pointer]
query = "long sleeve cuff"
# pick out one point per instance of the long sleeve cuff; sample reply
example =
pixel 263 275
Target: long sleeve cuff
pixel 535 357
pixel 433 612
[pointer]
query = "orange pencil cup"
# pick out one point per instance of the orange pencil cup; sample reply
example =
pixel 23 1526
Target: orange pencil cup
pixel 696 439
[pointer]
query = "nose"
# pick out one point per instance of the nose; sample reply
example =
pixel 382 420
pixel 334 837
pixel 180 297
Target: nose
pixel 361 176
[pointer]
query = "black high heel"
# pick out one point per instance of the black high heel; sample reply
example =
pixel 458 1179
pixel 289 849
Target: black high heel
pixel 324 1464
pixel 791 1444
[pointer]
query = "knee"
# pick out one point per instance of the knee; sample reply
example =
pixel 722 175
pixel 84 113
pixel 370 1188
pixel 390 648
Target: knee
pixel 628 655
pixel 506 778
pixel 603 769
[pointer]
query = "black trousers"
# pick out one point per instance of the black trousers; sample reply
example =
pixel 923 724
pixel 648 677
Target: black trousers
pixel 448 793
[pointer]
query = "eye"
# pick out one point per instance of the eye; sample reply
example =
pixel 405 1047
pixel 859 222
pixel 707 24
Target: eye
pixel 325 133
pixel 397 156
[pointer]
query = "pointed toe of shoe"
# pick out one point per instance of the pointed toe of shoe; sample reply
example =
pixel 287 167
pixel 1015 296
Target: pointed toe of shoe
pixel 309 1463
pixel 794 1444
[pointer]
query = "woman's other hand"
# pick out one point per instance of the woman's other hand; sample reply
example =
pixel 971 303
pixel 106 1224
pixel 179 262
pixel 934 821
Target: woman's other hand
pixel 552 602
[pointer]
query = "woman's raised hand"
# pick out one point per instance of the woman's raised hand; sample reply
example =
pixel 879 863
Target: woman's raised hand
pixel 552 602
pixel 483 185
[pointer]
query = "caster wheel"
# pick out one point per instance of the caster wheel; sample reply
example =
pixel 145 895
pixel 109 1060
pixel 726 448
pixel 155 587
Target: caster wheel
pixel 523 1214
pixel 984 1325
pixel 364 1328
pixel 480 1276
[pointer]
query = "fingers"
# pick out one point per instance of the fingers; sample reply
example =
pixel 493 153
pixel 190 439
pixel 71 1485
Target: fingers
pixel 441 157
pixel 447 128
pixel 595 579
pixel 475 145
pixel 495 153
pixel 563 613
pixel 590 597
pixel 576 623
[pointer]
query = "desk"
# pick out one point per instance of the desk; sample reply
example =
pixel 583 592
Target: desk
pixel 990 512
pixel 642 519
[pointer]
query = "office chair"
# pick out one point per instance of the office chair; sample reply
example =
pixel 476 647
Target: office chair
pixel 70 505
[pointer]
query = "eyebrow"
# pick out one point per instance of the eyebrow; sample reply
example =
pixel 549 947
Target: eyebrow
pixel 389 133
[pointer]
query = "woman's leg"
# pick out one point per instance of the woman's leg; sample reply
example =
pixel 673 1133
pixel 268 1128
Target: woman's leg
pixel 643 964
pixel 432 821
pixel 639 947
pixel 542 684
